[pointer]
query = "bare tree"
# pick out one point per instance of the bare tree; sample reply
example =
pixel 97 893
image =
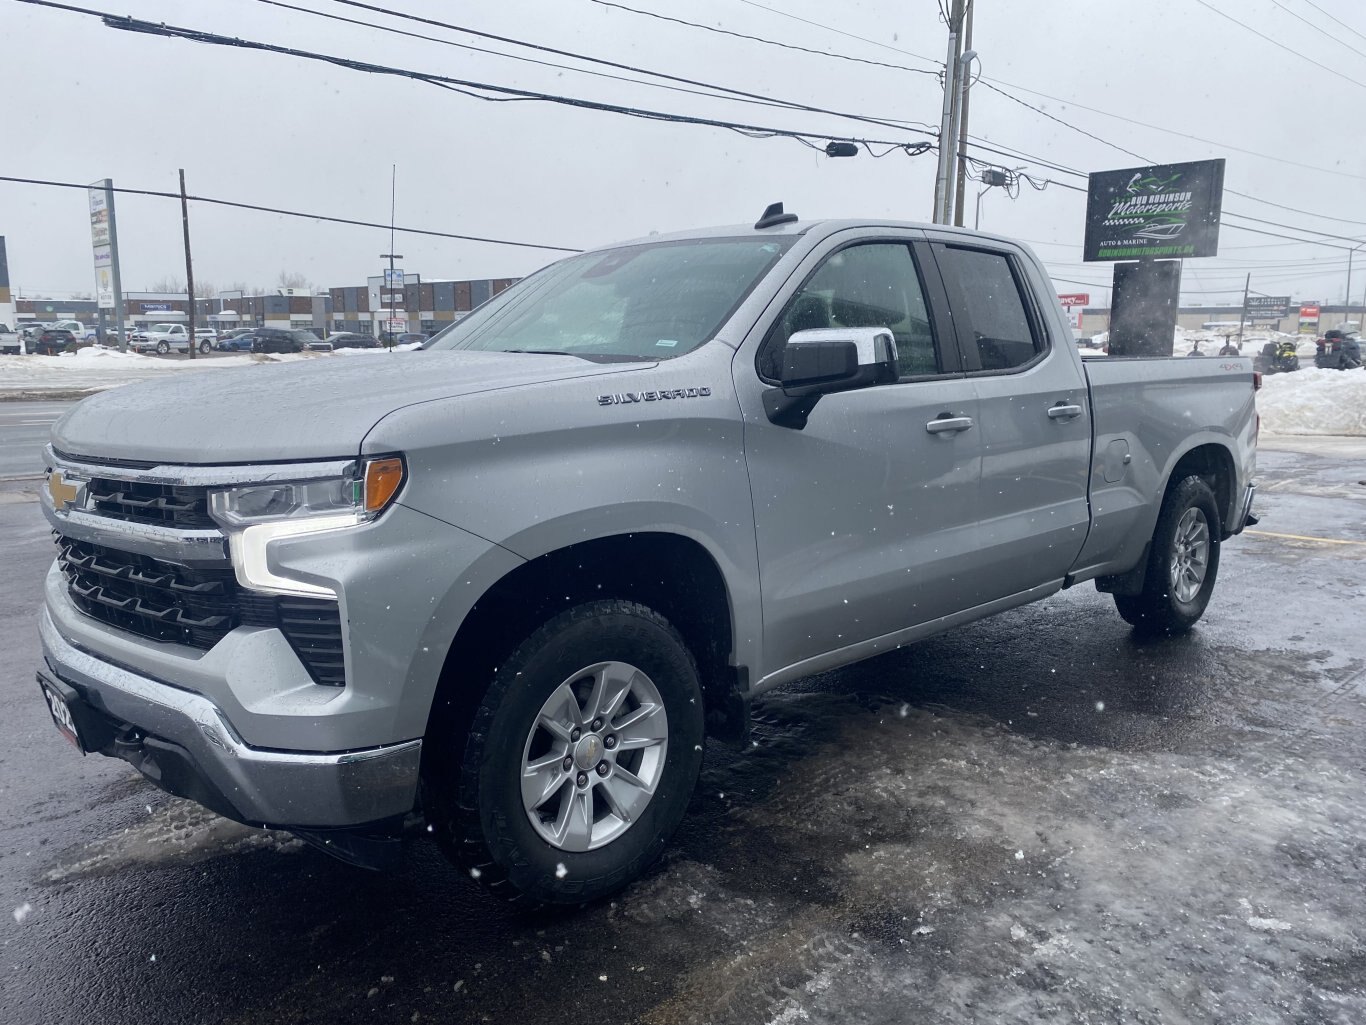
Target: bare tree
pixel 205 290
pixel 293 279
pixel 167 284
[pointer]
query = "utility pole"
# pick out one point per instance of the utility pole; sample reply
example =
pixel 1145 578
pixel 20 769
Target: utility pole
pixel 1242 315
pixel 958 203
pixel 189 267
pixel 945 174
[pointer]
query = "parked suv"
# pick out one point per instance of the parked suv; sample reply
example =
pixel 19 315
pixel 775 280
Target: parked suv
pixel 274 339
pixel 54 340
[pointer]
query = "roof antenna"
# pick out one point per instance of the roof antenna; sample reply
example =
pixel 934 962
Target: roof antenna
pixel 773 216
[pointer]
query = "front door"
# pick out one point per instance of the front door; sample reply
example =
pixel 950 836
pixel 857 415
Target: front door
pixel 863 516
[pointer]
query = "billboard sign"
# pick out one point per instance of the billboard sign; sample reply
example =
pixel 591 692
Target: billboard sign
pixel 1071 299
pixel 102 242
pixel 1167 210
pixel 1267 307
pixel 1309 319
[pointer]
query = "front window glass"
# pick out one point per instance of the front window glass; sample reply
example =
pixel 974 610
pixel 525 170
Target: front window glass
pixel 868 285
pixel 647 302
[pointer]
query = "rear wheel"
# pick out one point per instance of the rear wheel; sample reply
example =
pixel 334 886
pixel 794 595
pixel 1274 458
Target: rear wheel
pixel 204 346
pixel 1183 562
pixel 580 760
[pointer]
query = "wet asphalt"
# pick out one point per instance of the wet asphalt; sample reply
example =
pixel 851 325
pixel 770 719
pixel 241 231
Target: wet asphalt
pixel 1036 818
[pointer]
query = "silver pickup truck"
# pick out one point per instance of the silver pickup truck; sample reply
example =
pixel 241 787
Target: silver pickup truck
pixel 515 580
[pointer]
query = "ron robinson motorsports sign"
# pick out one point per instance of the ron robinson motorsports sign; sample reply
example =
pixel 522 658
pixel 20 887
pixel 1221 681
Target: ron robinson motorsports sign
pixel 1167 211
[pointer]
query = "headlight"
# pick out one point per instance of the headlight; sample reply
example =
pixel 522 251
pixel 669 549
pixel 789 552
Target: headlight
pixel 257 514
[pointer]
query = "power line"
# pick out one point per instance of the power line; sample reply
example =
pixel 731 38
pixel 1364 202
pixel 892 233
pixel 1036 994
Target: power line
pixel 295 213
pixel 1318 28
pixel 1019 155
pixel 1181 135
pixel 1332 18
pixel 847 35
pixel 393 13
pixel 767 42
pixel 1146 159
pixel 504 93
pixel 518 57
pixel 1277 43
pixel 990 84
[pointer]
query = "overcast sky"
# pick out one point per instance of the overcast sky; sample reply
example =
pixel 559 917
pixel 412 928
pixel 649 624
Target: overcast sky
pixel 84 102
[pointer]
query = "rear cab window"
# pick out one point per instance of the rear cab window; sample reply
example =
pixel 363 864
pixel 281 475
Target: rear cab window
pixel 999 328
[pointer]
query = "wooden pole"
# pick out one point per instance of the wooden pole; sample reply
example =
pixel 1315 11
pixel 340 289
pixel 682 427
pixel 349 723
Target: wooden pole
pixel 189 267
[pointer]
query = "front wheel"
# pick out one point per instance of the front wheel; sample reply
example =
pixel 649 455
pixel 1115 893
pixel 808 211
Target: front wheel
pixel 580 760
pixel 163 348
pixel 1183 562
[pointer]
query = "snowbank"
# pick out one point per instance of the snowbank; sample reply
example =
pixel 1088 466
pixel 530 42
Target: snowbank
pixel 95 369
pixel 1312 401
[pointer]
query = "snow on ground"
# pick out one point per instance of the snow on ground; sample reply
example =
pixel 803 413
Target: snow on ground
pixel 1313 401
pixel 96 369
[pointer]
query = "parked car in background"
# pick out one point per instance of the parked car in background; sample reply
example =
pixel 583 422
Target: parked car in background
pixel 274 339
pixel 236 340
pixel 353 340
pixel 74 326
pixel 162 338
pixel 207 337
pixel 410 337
pixel 10 343
pixel 54 340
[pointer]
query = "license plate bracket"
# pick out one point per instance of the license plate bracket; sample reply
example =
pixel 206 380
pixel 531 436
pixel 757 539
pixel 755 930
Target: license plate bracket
pixel 64 705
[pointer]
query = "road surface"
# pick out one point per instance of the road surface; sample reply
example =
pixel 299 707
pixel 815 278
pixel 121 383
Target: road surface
pixel 24 428
pixel 1034 819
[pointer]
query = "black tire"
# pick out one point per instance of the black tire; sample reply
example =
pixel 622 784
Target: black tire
pixel 472 788
pixel 1159 609
pixel 163 348
pixel 205 347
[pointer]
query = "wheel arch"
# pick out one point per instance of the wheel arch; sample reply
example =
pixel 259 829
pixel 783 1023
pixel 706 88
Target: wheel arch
pixel 1212 462
pixel 670 573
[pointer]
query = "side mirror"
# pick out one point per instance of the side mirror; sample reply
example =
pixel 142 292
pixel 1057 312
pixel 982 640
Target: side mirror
pixel 827 360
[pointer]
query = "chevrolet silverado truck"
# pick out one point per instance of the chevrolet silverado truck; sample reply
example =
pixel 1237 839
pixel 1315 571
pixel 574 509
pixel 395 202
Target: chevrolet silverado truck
pixel 515 580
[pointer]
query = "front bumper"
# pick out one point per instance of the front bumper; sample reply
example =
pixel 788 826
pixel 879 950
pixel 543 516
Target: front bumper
pixel 184 743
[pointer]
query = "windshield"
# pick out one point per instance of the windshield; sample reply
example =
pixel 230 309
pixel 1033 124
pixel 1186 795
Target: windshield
pixel 651 301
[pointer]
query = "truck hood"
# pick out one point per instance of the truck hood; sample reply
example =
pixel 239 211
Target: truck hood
pixel 310 409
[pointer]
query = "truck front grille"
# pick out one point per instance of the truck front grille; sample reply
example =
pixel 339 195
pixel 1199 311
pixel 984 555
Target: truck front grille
pixel 165 601
pixel 165 505
pixel 148 597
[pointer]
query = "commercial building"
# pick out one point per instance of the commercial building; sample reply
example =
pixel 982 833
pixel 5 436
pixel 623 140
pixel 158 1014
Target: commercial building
pixel 417 305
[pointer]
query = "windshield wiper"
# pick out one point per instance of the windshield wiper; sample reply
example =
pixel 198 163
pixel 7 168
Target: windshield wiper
pixel 591 357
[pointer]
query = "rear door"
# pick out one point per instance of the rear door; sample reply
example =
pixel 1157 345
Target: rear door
pixel 1034 417
pixel 863 516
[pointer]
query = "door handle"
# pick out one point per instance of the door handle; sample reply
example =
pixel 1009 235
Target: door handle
pixel 946 424
pixel 1063 411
